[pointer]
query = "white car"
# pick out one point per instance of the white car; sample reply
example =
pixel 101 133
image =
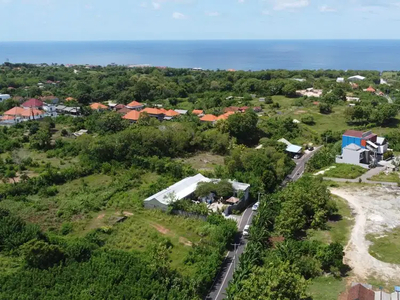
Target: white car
pixel 246 230
pixel 255 206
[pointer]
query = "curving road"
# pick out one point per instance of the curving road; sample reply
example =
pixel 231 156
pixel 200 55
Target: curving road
pixel 217 291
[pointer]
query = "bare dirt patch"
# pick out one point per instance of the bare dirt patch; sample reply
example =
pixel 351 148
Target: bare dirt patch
pixel 376 209
pixel 161 229
pixel 127 214
pixel 185 241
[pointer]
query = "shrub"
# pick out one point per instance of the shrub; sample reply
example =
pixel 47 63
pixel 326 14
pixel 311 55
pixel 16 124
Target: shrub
pixel 309 120
pixel 41 255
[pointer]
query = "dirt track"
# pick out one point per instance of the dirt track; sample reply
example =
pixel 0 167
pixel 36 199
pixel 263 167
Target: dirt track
pixel 376 209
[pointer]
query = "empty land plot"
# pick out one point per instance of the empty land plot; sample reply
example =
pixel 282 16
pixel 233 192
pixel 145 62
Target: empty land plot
pixel 376 210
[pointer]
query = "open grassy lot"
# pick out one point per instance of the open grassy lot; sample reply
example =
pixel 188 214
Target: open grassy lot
pixel 385 247
pixel 204 161
pixel 390 177
pixel 145 228
pixel 326 288
pixel 345 171
pixel 338 228
pixel 329 288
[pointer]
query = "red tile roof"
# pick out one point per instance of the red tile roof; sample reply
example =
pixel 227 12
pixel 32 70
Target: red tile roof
pixel 153 111
pixel 133 115
pixel 69 99
pixel 135 104
pixel 19 111
pixel 243 108
pixel 197 112
pixel 171 113
pixel 208 118
pixel 371 89
pixel 231 108
pixel 33 103
pixel 4 118
pixel 354 133
pixel 98 106
pixel 225 116
pixel 359 292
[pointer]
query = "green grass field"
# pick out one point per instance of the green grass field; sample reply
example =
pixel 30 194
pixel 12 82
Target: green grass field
pixel 385 246
pixel 391 177
pixel 204 161
pixel 345 171
pixel 326 288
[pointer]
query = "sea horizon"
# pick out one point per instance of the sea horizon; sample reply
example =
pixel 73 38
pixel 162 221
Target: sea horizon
pixel 213 54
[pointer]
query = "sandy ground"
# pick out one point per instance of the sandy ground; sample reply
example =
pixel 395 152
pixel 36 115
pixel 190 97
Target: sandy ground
pixel 376 209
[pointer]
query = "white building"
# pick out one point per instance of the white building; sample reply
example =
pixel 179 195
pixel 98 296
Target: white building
pixel 310 92
pixel 184 189
pixel 340 80
pixel 4 97
pixel 356 78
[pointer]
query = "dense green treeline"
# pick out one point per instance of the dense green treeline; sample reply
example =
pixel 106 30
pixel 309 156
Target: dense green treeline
pixel 278 260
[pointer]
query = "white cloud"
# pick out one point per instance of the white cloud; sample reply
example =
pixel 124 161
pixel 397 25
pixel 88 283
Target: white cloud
pixel 290 4
pixel 212 14
pixel 156 5
pixel 179 16
pixel 241 1
pixel 326 8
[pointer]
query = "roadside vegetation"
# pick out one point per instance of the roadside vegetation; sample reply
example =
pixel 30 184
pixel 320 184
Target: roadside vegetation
pixel 390 177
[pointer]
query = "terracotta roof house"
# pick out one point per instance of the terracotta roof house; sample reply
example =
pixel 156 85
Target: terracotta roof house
pixel 32 103
pixel 123 111
pixel 98 106
pixel 197 112
pixel 208 118
pixel 70 99
pixel 154 112
pixel 135 105
pixel 7 118
pixel 231 108
pixel 24 113
pixel 171 113
pixel 359 292
pixel 132 116
pixel 225 116
pixel 370 89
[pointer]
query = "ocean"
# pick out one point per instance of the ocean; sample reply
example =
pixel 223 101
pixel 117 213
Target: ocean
pixel 216 54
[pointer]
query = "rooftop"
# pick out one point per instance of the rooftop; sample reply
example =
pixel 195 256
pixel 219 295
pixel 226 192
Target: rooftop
pixel 134 104
pixel 208 118
pixel 354 133
pixel 133 115
pixel 97 106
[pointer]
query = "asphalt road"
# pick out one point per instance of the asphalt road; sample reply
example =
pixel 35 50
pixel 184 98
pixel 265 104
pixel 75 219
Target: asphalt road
pixel 231 261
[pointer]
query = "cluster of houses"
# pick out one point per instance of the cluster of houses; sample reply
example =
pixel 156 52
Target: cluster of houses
pixel 35 109
pixel 134 110
pixel 360 291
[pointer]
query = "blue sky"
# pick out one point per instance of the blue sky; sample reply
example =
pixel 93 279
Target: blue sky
pixel 82 20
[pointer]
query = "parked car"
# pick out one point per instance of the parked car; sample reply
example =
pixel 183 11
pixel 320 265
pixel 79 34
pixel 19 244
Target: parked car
pixel 296 156
pixel 255 206
pixel 246 230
